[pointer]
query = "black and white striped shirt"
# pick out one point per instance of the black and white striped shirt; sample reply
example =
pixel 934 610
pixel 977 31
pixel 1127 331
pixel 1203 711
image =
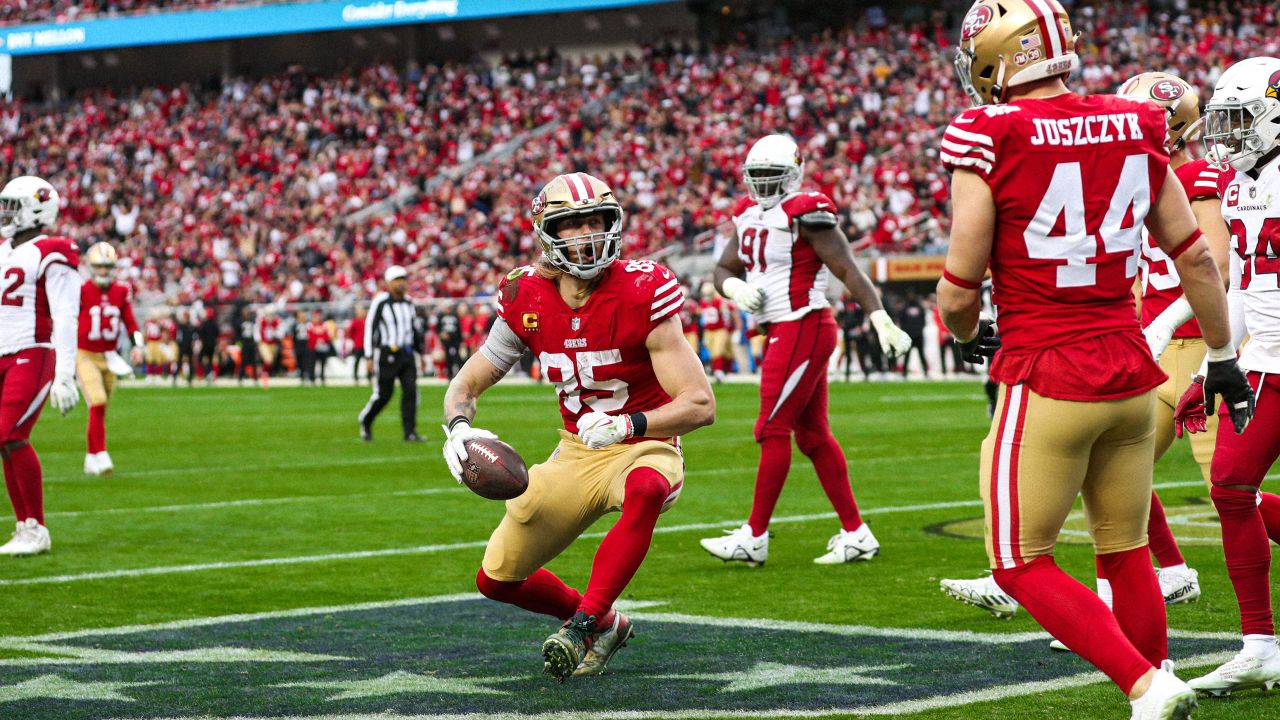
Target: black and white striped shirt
pixel 389 324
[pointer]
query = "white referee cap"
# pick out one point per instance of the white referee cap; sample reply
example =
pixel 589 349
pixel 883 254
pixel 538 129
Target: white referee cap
pixel 395 272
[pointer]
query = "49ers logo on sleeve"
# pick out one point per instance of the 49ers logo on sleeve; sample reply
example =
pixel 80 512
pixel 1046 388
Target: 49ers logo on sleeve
pixel 1167 90
pixel 1273 85
pixel 977 19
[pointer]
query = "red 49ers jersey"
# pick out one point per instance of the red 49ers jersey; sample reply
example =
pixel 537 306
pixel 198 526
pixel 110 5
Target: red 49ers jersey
pixel 595 355
pixel 1252 211
pixel 25 318
pixel 778 260
pixel 715 314
pixel 1161 285
pixel 1073 178
pixel 103 314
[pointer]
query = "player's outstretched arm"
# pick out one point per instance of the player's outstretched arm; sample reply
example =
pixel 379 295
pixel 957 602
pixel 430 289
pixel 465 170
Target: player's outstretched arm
pixel 973 225
pixel 680 373
pixel 834 251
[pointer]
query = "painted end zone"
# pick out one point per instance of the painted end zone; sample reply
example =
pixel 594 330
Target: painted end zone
pixel 453 656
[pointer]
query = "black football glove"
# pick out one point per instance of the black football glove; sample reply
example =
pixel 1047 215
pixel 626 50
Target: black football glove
pixel 983 345
pixel 1225 378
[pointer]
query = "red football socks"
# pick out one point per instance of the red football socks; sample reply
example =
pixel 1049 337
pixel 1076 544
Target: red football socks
pixel 775 463
pixel 1270 509
pixel 1244 543
pixel 97 433
pixel 15 491
pixel 626 544
pixel 542 592
pixel 25 480
pixel 1160 537
pixel 833 472
pixel 1074 615
pixel 1138 603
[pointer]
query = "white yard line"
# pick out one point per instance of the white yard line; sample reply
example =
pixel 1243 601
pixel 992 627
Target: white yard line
pixel 427 549
pixel 126 474
pixel 250 502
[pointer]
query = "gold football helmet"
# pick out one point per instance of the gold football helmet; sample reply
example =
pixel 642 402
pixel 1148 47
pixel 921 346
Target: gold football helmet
pixel 1004 43
pixel 102 263
pixel 1178 99
pixel 575 195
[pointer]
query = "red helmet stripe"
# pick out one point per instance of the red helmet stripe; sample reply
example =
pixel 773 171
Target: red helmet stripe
pixel 586 185
pixel 1046 12
pixel 573 187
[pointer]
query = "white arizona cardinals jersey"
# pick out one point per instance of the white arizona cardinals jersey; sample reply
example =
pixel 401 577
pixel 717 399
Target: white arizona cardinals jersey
pixel 1252 211
pixel 786 267
pixel 38 281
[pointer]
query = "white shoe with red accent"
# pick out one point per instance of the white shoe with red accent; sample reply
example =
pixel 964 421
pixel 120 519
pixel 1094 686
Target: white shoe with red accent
pixel 741 545
pixel 30 538
pixel 1168 698
pixel 850 546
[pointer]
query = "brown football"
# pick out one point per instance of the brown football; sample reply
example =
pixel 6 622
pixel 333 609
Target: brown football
pixel 494 470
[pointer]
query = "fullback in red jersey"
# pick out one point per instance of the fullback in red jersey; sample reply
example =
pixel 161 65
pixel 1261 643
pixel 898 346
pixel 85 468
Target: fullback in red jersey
pixel 595 355
pixel 103 313
pixel 1073 178
pixel 1161 285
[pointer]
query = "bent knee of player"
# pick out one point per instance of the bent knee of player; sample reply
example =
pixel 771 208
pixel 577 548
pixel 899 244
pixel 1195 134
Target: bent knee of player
pixel 494 589
pixel 646 486
pixel 810 441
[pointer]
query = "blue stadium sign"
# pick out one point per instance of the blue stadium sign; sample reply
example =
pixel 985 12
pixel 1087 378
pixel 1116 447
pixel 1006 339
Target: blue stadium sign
pixel 239 22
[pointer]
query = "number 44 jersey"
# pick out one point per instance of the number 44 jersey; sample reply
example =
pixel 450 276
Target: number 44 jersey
pixel 103 314
pixel 596 355
pixel 1073 178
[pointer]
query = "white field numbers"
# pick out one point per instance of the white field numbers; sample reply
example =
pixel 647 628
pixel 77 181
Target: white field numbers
pixel 1079 246
pixel 104 322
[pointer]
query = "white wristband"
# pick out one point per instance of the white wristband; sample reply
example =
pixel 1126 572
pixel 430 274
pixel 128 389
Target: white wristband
pixel 1226 352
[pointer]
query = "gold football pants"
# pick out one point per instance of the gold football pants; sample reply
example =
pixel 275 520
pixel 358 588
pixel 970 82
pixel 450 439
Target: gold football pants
pixel 566 494
pixel 1041 453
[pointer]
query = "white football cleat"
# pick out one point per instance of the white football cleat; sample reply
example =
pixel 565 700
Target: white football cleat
pixel 30 538
pixel 850 546
pixel 90 463
pixel 1168 698
pixel 105 466
pixel 1179 586
pixel 1242 672
pixel 1059 646
pixel 739 545
pixel 982 593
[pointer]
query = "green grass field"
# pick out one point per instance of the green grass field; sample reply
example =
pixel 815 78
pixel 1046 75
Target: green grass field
pixel 351 569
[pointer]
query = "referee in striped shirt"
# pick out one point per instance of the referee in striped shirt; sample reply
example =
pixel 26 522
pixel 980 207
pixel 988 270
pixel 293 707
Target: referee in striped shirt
pixel 388 343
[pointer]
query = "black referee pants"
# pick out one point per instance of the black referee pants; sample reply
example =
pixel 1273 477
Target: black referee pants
pixel 388 367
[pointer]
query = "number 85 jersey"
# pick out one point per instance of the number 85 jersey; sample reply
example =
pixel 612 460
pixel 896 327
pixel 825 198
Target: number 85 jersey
pixel 595 355
pixel 1073 178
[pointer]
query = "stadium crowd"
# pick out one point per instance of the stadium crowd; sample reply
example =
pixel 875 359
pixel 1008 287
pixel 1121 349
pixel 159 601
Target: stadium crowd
pixel 251 191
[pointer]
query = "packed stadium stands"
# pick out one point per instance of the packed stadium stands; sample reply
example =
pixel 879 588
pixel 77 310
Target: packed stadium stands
pixel 252 189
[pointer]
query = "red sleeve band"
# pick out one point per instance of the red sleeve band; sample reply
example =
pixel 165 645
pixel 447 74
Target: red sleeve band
pixel 960 282
pixel 1185 245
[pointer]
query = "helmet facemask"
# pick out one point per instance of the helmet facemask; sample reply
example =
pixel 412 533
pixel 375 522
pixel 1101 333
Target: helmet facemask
pixel 583 256
pixel 767 184
pixel 1231 133
pixel 10 211
pixel 964 68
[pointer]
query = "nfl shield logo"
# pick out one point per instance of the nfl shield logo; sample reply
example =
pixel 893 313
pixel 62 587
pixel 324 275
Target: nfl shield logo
pixel 575 323
pixel 1253 193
